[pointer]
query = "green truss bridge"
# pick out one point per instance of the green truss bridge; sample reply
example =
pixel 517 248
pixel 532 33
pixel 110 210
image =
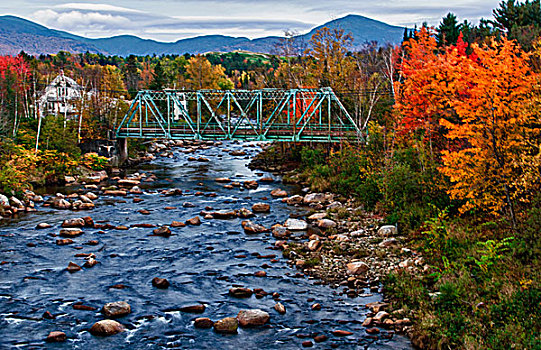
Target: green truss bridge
pixel 295 115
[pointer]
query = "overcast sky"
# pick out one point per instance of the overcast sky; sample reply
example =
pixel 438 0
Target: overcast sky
pixel 170 20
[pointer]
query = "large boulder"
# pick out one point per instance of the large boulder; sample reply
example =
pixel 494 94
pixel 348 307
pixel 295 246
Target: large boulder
pixel 106 327
pixel 252 318
pixel 116 309
pixel 15 202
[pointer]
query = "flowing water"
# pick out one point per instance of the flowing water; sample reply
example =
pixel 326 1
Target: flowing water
pixel 201 263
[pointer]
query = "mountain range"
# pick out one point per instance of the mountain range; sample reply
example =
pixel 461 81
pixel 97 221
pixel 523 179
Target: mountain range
pixel 18 34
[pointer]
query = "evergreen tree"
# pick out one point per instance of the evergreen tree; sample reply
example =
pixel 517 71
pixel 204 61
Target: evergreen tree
pixel 132 76
pixel 520 21
pixel 406 36
pixel 448 30
pixel 159 78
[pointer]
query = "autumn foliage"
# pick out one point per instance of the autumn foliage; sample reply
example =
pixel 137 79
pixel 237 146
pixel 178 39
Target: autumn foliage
pixel 480 102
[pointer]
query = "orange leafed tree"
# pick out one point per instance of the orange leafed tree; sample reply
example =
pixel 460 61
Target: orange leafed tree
pixel 483 104
pixel 491 96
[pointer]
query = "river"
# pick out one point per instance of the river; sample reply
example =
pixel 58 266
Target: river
pixel 201 263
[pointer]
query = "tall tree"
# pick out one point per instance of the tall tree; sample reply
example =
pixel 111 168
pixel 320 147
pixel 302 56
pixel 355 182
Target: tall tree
pixel 202 74
pixel 448 30
pixel 159 79
pixel 519 20
pixel 132 75
pixel 333 67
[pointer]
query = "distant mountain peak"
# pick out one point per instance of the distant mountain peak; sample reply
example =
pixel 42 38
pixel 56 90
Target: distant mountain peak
pixel 19 34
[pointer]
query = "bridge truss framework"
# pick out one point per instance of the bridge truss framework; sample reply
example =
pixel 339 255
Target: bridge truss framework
pixel 294 115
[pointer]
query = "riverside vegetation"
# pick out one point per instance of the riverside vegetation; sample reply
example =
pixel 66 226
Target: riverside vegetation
pixel 451 157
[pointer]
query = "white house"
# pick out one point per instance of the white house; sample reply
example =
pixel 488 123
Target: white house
pixel 60 97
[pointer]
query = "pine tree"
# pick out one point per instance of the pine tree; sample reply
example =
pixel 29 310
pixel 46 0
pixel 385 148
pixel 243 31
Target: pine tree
pixel 159 78
pixel 448 30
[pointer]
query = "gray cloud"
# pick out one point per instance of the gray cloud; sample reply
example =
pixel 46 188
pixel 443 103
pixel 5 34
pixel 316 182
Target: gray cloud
pixel 170 20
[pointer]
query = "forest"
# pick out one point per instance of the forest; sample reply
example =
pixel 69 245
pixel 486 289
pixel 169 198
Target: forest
pixel 452 157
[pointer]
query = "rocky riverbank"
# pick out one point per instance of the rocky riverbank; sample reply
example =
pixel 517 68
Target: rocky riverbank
pixel 344 246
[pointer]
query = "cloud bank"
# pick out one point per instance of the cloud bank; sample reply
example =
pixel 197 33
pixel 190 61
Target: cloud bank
pixel 170 20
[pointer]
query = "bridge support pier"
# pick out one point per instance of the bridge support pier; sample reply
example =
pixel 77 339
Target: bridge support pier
pixel 122 150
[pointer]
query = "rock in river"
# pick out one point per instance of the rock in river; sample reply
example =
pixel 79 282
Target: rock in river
pixel 278 193
pixel 64 241
pixel 228 325
pixel 116 309
pixel 163 231
pixel 77 222
pixel 280 308
pixel 250 227
pixel 251 185
pixel 252 318
pixel 70 232
pixel 56 337
pixel 203 322
pixel 240 292
pixel 73 267
pixel 43 225
pixel 161 283
pixel 106 328
pixel 245 213
pixel 261 208
pixel 193 309
pixel 194 221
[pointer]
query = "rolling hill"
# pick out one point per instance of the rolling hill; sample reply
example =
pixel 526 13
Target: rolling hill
pixel 17 34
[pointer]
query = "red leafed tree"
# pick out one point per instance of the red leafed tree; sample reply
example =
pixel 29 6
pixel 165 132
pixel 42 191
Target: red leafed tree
pixel 14 86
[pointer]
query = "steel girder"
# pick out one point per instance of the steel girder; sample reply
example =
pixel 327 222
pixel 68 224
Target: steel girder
pixel 294 115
